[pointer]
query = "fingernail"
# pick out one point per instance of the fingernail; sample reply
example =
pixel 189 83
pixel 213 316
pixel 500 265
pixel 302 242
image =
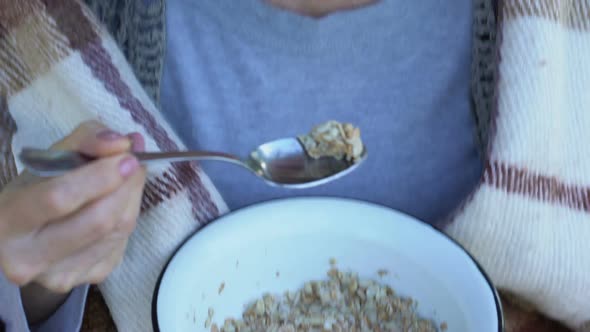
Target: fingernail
pixel 128 165
pixel 137 142
pixel 108 135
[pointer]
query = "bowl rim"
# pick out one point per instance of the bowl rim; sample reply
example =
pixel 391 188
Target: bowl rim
pixel 497 300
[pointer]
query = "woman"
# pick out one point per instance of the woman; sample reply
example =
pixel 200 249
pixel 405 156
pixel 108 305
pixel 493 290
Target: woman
pixel 237 74
pixel 68 231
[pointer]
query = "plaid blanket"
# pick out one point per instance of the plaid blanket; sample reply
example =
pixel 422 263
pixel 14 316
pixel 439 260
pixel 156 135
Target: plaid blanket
pixel 527 222
pixel 59 68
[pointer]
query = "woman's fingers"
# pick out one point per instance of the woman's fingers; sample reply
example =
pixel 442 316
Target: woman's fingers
pixel 132 205
pixel 111 214
pixel 94 139
pixel 91 265
pixel 46 224
pixel 26 254
pixel 59 197
pixel 94 263
pixel 37 201
pixel 103 268
pixel 137 142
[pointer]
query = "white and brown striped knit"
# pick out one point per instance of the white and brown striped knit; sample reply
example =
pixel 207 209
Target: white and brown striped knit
pixel 527 222
pixel 57 69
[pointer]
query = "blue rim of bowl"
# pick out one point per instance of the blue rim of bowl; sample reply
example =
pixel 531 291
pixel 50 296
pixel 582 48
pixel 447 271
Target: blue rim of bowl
pixel 497 301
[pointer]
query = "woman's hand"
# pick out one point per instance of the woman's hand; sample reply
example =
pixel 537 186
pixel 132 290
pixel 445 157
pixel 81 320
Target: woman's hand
pixel 58 233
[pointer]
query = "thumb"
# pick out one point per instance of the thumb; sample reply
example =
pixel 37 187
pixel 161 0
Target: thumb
pixel 94 139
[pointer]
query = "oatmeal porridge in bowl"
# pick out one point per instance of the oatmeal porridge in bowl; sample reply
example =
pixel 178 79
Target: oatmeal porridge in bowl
pixel 323 264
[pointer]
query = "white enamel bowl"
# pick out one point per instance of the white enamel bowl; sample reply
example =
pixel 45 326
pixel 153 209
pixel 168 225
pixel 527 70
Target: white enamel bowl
pixel 277 246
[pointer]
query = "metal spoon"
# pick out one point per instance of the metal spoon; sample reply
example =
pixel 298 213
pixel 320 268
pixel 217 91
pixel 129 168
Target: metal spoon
pixel 283 163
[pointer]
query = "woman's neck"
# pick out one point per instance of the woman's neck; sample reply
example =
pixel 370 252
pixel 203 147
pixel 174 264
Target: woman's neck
pixel 319 8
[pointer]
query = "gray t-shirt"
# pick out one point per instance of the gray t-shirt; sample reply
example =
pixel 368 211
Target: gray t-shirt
pixel 239 73
pixel 12 317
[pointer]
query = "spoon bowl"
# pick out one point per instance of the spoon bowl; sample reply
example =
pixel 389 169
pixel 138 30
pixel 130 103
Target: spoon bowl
pixel 283 163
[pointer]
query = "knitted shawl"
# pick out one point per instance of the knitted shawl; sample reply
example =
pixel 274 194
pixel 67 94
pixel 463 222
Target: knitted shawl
pixel 63 62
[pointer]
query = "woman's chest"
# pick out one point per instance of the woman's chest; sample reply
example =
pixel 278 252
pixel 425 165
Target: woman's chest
pixel 410 101
pixel 422 154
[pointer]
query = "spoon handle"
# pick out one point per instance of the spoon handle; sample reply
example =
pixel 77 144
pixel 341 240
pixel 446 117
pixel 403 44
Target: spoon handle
pixel 177 156
pixel 47 163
